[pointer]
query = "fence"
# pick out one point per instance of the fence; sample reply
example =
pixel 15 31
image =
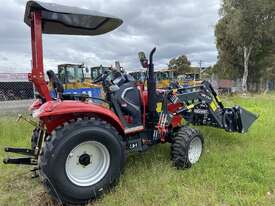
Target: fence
pixel 16 91
pixel 235 86
pixel 16 96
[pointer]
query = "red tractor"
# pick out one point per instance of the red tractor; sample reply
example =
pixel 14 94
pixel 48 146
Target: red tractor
pixel 79 148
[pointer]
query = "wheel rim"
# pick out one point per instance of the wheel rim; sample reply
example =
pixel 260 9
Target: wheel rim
pixel 195 150
pixel 87 163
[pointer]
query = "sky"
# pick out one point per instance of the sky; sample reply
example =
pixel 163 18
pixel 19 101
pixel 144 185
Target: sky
pixel 175 27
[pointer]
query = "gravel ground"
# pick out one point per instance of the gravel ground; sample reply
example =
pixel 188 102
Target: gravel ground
pixel 13 107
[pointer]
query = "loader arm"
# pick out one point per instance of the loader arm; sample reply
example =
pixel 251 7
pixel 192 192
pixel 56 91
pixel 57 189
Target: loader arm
pixel 202 106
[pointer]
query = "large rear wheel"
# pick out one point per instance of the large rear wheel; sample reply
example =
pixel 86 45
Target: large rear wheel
pixel 81 161
pixel 35 137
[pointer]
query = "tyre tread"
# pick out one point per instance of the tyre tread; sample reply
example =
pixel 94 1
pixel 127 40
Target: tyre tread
pixel 180 145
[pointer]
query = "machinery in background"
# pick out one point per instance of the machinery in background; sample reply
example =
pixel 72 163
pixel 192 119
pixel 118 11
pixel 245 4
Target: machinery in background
pixel 139 76
pixel 72 76
pixel 163 77
pixel 97 71
pixel 166 76
pixel 189 79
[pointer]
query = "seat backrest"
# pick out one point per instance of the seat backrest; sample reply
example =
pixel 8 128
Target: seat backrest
pixel 55 82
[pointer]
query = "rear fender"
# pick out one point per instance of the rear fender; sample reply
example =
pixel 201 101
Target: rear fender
pixel 56 113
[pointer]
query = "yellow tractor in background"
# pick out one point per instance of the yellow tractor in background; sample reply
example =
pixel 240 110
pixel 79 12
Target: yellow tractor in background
pixel 189 79
pixel 72 76
pixel 75 80
pixel 163 77
pixel 139 75
pixel 97 71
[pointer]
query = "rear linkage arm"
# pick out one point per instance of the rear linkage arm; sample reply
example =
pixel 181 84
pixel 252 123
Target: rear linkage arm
pixel 31 155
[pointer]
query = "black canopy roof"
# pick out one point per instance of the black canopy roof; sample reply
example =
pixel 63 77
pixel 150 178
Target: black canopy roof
pixel 59 19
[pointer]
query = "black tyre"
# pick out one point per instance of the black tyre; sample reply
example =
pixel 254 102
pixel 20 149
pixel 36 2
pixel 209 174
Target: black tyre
pixel 35 137
pixel 81 160
pixel 186 148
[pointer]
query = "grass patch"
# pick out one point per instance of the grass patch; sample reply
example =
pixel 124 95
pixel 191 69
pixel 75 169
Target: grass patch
pixel 235 169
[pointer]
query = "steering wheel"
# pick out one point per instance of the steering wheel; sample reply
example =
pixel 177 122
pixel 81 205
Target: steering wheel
pixel 98 79
pixel 102 77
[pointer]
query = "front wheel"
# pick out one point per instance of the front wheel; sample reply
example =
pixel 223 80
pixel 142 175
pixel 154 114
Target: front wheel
pixel 186 148
pixel 82 160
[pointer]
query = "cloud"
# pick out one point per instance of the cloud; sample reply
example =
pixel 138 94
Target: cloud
pixel 175 27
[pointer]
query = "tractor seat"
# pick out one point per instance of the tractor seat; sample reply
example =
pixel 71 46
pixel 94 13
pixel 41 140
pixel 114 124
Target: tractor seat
pixel 55 82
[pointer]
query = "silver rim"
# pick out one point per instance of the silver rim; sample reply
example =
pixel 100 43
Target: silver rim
pixel 87 163
pixel 195 150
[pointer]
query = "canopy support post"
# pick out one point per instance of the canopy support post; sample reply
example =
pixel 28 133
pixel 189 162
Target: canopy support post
pixel 37 75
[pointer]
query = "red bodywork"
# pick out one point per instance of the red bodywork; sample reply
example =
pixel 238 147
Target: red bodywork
pixel 55 113
pixel 37 75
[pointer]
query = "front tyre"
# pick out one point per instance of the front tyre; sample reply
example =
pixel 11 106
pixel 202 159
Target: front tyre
pixel 186 148
pixel 81 160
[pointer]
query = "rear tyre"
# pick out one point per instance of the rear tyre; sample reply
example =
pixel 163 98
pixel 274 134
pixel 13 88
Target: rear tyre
pixel 35 137
pixel 186 147
pixel 81 161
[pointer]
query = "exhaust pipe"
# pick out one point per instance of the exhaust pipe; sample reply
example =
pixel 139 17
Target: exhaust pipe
pixel 151 85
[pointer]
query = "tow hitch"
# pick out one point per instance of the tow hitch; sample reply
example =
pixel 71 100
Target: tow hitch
pixel 30 159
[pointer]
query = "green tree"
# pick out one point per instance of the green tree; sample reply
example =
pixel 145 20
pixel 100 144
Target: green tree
pixel 241 32
pixel 180 65
pixel 229 62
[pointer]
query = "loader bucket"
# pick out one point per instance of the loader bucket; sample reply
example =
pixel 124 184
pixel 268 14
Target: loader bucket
pixel 245 118
pixel 237 119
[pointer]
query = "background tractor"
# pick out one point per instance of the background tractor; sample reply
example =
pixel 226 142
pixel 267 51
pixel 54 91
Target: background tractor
pixel 79 148
pixel 163 77
pixel 139 76
pixel 189 79
pixel 72 76
pixel 97 71
pixel 74 80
